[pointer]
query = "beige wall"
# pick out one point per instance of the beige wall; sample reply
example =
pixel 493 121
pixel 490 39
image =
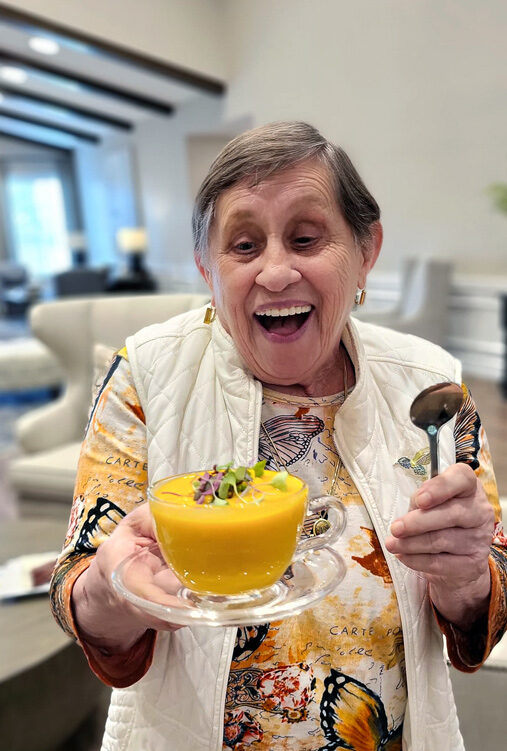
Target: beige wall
pixel 415 91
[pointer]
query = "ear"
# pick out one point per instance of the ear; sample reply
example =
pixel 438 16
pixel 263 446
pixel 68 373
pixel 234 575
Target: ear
pixel 205 273
pixel 370 250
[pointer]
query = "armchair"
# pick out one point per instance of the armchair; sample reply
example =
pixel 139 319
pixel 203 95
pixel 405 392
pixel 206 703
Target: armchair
pixel 422 307
pixel 50 437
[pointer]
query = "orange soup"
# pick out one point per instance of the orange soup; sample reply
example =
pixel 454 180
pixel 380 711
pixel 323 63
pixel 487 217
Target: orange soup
pixel 243 545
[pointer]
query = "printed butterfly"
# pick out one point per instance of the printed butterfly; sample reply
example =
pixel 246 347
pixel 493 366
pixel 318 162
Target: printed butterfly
pixel 353 717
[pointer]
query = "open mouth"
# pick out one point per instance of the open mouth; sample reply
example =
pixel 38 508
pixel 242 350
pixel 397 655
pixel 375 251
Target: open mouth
pixel 284 321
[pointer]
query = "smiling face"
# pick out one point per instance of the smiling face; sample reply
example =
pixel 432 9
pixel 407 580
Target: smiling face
pixel 283 269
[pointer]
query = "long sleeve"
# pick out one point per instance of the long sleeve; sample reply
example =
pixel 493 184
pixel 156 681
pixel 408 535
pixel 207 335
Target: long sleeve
pixel 468 651
pixel 111 481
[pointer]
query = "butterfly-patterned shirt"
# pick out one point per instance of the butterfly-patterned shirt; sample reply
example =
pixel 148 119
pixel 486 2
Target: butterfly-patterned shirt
pixel 332 677
pixel 335 673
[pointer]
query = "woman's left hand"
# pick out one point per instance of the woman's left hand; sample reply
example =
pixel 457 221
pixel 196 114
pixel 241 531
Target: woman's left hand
pixel 446 535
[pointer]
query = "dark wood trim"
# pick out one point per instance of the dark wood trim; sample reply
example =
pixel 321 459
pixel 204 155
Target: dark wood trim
pixel 38 142
pixel 52 126
pixel 113 51
pixel 87 84
pixel 83 112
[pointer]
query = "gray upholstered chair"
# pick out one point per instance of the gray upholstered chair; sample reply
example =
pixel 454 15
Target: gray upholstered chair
pixel 81 281
pixel 76 331
pixel 422 306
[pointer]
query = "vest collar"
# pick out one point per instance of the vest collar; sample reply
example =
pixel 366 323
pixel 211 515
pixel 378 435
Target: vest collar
pixel 238 383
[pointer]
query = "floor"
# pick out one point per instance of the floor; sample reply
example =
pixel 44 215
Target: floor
pixel 12 328
pixel 88 737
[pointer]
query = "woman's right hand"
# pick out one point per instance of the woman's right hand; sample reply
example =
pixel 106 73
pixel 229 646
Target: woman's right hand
pixel 105 619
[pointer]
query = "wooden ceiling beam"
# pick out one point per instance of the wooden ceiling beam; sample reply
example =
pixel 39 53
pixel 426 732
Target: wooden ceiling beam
pixel 33 140
pixel 81 135
pixel 83 112
pixel 87 84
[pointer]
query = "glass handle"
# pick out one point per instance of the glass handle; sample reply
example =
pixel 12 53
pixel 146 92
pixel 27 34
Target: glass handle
pixel 332 527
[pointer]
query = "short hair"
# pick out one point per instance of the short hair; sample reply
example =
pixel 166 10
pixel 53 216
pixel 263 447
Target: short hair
pixel 257 154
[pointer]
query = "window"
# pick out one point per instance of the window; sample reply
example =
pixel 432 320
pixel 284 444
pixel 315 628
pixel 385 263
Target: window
pixel 39 213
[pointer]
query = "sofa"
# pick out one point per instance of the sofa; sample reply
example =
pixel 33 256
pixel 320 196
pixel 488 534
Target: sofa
pixel 26 364
pixel 82 334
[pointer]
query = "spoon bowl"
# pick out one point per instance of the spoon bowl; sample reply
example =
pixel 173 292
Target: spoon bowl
pixel 433 408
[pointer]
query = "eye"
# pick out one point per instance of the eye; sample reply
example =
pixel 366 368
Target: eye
pixel 245 246
pixel 304 240
pixel 305 234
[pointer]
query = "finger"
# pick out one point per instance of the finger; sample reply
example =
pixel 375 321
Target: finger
pixel 147 620
pixel 152 593
pixel 166 580
pixel 148 578
pixel 446 566
pixel 140 521
pixel 474 541
pixel 132 534
pixel 458 480
pixel 455 513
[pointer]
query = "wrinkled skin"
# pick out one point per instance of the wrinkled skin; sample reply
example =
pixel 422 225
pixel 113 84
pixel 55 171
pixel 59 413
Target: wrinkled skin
pixel 446 536
pixel 105 618
pixel 283 243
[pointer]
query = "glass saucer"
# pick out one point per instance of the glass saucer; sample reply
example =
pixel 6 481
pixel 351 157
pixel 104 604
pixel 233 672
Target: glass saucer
pixel 146 581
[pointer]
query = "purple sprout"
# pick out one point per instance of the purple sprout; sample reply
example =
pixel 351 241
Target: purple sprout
pixel 207 485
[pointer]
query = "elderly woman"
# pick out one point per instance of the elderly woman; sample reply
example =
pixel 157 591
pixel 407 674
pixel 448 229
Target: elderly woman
pixel 285 235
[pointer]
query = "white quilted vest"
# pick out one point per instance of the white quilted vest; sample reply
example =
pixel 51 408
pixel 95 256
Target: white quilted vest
pixel 202 407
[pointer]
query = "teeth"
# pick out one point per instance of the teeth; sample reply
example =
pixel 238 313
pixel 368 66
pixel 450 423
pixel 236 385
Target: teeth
pixel 276 312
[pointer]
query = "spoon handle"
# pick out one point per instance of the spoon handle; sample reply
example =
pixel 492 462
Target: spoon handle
pixel 433 434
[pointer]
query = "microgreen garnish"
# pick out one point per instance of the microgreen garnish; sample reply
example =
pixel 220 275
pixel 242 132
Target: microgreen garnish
pixel 225 481
pixel 279 481
pixel 259 468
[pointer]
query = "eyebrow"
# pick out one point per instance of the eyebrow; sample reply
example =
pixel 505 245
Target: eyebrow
pixel 246 214
pixel 238 216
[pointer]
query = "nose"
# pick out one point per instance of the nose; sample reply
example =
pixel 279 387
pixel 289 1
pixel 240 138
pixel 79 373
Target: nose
pixel 278 268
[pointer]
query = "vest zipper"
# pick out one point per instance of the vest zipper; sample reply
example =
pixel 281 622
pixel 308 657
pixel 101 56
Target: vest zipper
pixel 216 740
pixel 216 744
pixel 364 492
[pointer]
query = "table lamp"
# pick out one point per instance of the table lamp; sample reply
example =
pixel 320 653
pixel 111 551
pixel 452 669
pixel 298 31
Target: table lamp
pixel 133 243
pixel 78 248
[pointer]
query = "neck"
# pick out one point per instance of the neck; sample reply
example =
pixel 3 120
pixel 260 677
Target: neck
pixel 331 381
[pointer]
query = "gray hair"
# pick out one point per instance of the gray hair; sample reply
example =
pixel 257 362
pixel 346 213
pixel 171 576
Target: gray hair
pixel 257 154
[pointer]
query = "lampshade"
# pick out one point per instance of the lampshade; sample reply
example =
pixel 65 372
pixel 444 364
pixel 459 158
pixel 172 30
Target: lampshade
pixel 132 239
pixel 76 240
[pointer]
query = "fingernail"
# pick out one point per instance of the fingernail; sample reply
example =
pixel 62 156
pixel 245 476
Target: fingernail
pixel 390 543
pixel 423 498
pixel 397 528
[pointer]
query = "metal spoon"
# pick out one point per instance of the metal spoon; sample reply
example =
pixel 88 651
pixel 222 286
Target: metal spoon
pixel 431 409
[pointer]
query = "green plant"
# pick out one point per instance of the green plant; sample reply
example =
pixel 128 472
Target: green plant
pixel 498 194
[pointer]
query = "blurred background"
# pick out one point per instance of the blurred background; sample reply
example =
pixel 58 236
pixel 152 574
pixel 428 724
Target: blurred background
pixel 111 112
